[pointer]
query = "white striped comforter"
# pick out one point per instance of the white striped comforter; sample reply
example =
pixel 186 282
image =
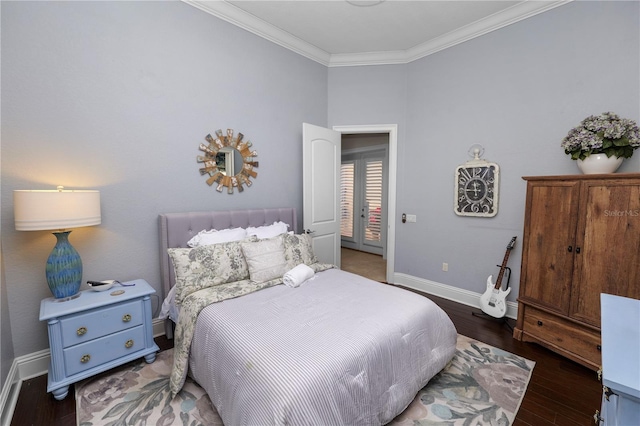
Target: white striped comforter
pixel 338 350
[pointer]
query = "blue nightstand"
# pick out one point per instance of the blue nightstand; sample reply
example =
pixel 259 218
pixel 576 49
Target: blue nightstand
pixel 96 332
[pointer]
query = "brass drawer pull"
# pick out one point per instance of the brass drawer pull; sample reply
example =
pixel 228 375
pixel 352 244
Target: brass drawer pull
pixel 126 318
pixel 608 392
pixel 81 331
pixel 596 418
pixel 85 358
pixel 128 343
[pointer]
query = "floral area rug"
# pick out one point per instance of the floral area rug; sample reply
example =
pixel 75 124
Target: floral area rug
pixel 138 394
pixel 482 385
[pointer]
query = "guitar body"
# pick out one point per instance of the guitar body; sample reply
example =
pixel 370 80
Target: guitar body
pixel 492 302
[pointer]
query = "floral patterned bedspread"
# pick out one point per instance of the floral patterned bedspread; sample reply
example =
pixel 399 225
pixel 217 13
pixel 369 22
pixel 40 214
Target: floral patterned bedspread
pixel 196 302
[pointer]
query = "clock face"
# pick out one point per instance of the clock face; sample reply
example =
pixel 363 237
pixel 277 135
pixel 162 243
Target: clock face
pixel 476 191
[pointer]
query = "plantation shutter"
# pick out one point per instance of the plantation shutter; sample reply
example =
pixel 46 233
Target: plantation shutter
pixel 373 199
pixel 347 179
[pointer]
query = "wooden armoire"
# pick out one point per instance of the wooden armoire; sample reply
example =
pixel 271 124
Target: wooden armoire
pixel 581 238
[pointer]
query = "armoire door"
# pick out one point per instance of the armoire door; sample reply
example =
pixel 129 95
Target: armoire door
pixel 548 245
pixel 608 244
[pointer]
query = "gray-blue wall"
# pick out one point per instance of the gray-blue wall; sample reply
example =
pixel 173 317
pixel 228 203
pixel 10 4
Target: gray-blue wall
pixel 117 96
pixel 516 91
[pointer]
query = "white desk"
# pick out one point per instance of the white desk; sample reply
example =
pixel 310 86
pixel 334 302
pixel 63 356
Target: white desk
pixel 620 329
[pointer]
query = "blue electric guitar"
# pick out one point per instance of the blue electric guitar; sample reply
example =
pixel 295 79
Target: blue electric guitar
pixel 492 302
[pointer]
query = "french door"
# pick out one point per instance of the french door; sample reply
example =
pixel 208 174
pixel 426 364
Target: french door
pixel 362 196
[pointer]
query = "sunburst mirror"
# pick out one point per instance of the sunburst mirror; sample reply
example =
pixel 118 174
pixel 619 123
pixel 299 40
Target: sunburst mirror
pixel 228 160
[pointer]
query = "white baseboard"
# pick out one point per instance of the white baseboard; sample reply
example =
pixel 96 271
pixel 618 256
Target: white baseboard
pixel 9 395
pixel 158 327
pixel 33 365
pixel 23 368
pixel 465 297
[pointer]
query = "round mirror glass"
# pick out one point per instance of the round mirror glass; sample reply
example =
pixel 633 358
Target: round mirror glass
pixel 229 161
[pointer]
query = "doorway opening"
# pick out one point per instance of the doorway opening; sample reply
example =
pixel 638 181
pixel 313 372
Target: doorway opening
pixel 367 200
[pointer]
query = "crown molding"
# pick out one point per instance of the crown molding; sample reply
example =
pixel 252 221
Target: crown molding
pixel 242 19
pixel 368 58
pixel 504 18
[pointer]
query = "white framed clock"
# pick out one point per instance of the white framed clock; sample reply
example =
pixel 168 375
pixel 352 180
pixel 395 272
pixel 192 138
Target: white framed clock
pixel 476 188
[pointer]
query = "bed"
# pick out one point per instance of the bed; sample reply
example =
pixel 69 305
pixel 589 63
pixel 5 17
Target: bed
pixel 336 349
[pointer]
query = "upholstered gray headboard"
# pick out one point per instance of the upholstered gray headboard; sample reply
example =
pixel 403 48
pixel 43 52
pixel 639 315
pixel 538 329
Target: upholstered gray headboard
pixel 176 229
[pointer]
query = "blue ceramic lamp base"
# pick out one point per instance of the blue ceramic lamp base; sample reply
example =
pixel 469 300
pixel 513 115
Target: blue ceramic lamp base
pixel 64 268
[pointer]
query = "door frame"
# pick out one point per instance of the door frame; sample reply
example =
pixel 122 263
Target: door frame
pixel 392 131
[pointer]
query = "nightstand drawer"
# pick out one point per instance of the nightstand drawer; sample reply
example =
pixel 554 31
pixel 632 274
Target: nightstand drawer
pixel 91 354
pixel 100 322
pixel 563 333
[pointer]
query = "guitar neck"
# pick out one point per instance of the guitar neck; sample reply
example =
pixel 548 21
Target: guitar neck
pixel 503 267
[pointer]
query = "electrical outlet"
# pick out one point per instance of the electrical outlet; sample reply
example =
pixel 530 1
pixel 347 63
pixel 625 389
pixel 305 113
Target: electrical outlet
pixel 411 218
pixel 445 267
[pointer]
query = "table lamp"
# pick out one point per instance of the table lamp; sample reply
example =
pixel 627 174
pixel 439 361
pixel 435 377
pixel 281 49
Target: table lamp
pixel 60 209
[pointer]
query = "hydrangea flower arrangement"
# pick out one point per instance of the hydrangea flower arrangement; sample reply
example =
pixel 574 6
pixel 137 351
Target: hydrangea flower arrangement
pixel 602 134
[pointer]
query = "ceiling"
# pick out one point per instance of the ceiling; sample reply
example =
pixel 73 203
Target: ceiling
pixel 347 33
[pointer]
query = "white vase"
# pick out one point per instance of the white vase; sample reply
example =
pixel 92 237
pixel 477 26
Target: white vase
pixel 599 163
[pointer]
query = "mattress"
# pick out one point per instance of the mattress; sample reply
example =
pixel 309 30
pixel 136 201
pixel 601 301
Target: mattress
pixel 339 349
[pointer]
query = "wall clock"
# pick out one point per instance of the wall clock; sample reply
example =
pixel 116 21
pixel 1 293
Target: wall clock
pixel 476 188
pixel 228 160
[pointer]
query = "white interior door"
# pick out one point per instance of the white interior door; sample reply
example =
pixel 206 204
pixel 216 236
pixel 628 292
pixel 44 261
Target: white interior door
pixel 321 152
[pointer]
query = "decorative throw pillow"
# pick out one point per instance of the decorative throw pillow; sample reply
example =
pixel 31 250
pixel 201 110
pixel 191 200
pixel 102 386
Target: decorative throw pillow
pixel 207 266
pixel 298 249
pixel 268 231
pixel 213 236
pixel 265 259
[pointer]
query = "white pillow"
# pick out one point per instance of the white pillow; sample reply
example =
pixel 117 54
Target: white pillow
pixel 205 238
pixel 265 259
pixel 268 231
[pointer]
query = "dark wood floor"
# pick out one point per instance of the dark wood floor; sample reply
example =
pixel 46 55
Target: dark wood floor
pixel 561 392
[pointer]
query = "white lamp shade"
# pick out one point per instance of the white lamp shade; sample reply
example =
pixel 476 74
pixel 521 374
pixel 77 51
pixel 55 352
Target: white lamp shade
pixel 40 210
